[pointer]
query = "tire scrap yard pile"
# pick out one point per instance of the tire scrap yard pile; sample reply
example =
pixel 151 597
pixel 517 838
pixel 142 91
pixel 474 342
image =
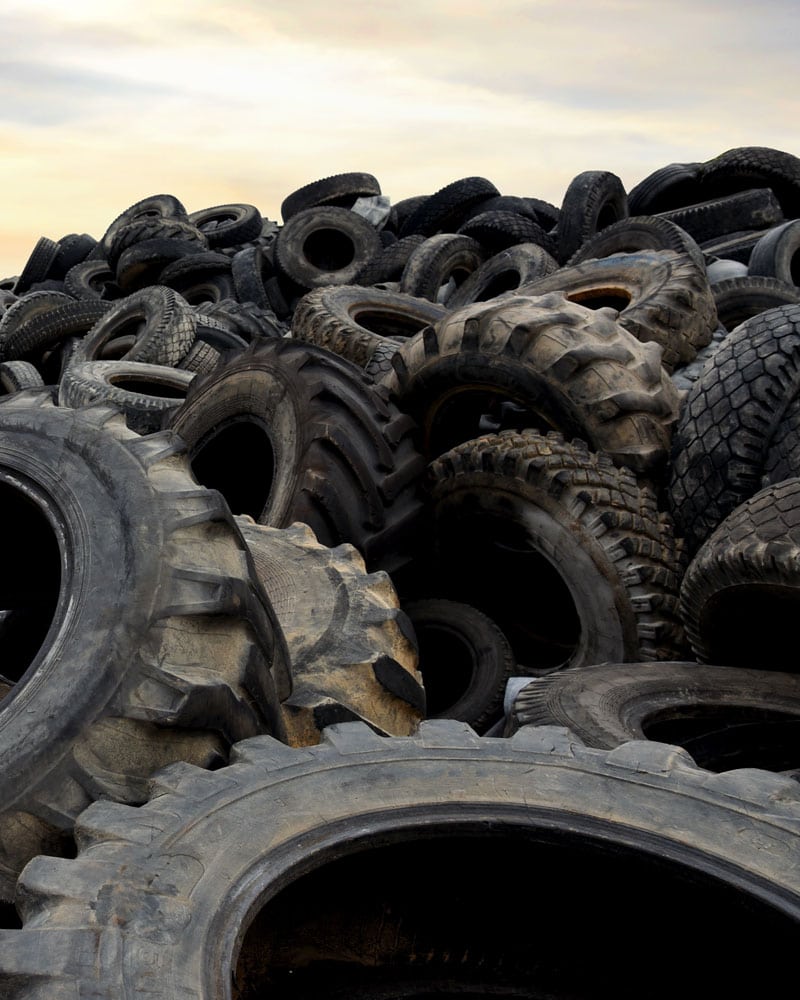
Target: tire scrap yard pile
pixel 400 599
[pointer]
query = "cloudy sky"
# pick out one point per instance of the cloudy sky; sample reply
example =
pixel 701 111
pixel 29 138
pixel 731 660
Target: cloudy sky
pixel 105 102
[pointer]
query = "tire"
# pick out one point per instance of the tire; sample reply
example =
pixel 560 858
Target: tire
pixel 47 329
pixel 755 166
pixel 342 190
pixel 740 299
pixel 351 648
pixel 643 232
pixel 325 246
pixel 465 661
pixel 594 199
pixel 355 886
pixel 566 553
pixel 37 267
pixel 570 368
pixel 661 297
pixel 92 279
pixel 777 254
pixel 439 260
pixel 740 595
pixel 445 210
pixel 160 321
pixel 228 225
pixel 710 220
pixel 353 322
pixel 388 263
pixel 18 375
pixel 109 627
pixel 505 272
pixel 725 717
pixel 673 186
pixel 289 432
pixel 143 392
pixel 728 421
pixel 157 206
pixel 496 231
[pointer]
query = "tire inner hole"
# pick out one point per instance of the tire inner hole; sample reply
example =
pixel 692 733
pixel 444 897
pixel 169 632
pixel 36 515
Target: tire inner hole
pixel 328 249
pixel 236 457
pixel 446 663
pixel 600 298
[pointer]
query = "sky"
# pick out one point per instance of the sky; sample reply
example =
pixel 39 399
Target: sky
pixel 105 102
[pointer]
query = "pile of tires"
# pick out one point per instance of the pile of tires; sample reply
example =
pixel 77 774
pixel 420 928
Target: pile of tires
pixel 400 598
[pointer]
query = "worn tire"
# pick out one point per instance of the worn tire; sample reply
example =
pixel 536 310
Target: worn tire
pixel 325 246
pixel 594 199
pixel 112 624
pixel 568 554
pixel 725 717
pixel 339 870
pixel 572 369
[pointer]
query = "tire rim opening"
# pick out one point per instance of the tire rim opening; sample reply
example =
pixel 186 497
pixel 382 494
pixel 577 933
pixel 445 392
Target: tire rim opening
pixel 236 457
pixel 725 737
pixel 30 591
pixel 329 250
pixel 425 919
pixel 506 281
pixel 466 413
pixel 447 665
pixel 731 636
pixel 148 387
pixel 390 323
pixel 602 298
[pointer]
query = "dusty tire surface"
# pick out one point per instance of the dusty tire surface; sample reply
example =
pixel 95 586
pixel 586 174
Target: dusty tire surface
pixel 208 890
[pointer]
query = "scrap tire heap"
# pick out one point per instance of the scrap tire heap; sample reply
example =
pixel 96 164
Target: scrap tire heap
pixel 374 571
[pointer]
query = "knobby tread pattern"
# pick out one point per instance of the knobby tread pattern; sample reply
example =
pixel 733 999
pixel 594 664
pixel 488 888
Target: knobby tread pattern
pixel 498 230
pixel 756 545
pixel 670 301
pixel 606 504
pixel 162 695
pixel 338 621
pixel 328 317
pixel 729 419
pixel 614 387
pixel 145 879
pixel 445 209
pixel 357 471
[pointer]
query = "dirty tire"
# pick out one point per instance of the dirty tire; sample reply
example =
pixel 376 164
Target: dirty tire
pixel 777 253
pixel 46 330
pixel 289 432
pixel 755 166
pixel 741 592
pixel 588 540
pixel 228 225
pixel 353 321
pixel 728 421
pixel 340 189
pixel 672 186
pixel 725 717
pixel 643 232
pixel 107 630
pixel 755 209
pixel 438 260
pixel 465 661
pixel 507 271
pixel 351 648
pixel 388 263
pixel 661 297
pixel 176 884
pixel 594 199
pixel 445 210
pixel 572 369
pixel 18 375
pixel 740 299
pixel 325 246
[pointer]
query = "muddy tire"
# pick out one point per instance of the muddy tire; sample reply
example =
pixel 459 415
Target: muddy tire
pixel 105 629
pixel 569 368
pixel 210 890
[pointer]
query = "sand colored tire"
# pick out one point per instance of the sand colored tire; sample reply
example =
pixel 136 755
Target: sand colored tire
pixel 571 369
pixel 351 649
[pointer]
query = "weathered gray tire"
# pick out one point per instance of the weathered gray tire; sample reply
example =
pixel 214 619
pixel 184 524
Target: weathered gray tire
pixel 725 717
pixel 208 890
pixel 568 554
pixel 570 368
pixel 142 634
pixel 351 648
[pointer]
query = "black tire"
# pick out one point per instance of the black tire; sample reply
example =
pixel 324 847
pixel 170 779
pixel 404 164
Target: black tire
pixel 210 887
pixel 570 368
pixel 18 375
pixel 709 220
pixel 541 212
pixel 777 254
pixel 37 267
pixel 353 321
pixel 568 554
pixel 228 225
pixel 729 418
pixel 439 260
pixel 445 210
pixel 673 186
pixel 144 393
pixel 497 231
pixel 594 199
pixel 661 297
pixel 92 279
pixel 157 206
pixel 325 246
pixel 388 263
pixel 107 625
pixel 755 166
pixel 725 717
pixel 465 661
pixel 505 272
pixel 642 232
pixel 736 246
pixel 289 432
pixel 160 322
pixel 351 649
pixel 741 299
pixel 341 190
pixel 48 329
pixel 741 592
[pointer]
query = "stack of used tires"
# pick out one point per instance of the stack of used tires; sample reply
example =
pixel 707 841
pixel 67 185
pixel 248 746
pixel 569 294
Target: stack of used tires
pixel 400 599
